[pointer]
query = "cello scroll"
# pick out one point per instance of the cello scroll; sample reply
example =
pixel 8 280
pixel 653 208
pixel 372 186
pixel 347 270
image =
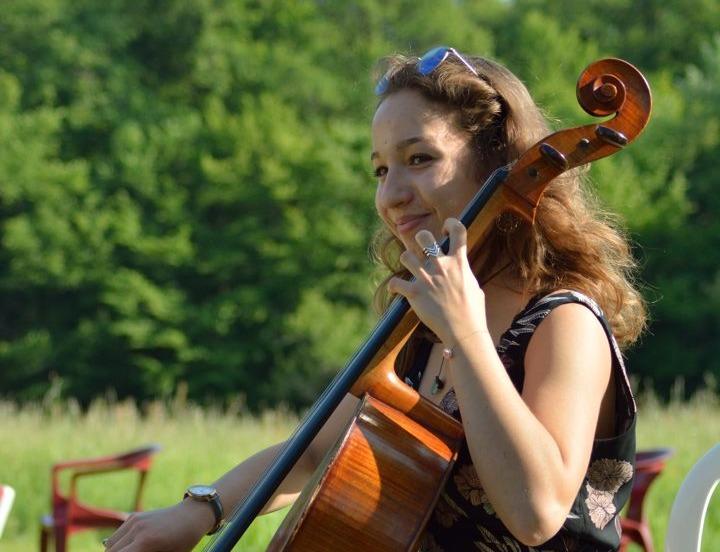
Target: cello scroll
pixel 605 87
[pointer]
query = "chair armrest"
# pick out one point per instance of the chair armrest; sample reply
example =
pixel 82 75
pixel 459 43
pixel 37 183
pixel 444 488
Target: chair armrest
pixel 139 459
pixel 122 460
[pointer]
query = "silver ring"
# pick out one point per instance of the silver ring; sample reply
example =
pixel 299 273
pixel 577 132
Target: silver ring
pixel 432 250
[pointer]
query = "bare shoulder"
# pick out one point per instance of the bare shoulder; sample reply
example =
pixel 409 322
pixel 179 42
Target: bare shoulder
pixel 574 320
pixel 570 332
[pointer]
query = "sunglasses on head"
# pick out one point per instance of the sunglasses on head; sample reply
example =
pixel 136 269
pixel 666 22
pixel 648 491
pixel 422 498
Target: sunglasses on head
pixel 430 61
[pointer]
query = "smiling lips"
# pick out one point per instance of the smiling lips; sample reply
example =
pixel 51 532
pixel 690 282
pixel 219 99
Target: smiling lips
pixel 408 223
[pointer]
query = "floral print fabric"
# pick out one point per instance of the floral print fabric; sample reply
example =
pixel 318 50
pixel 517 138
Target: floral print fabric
pixel 604 479
pixel 464 518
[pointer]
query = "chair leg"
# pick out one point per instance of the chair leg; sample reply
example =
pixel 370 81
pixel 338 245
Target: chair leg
pixel 61 535
pixel 44 535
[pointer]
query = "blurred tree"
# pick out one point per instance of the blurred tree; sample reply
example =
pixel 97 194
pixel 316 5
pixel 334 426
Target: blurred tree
pixel 683 254
pixel 186 192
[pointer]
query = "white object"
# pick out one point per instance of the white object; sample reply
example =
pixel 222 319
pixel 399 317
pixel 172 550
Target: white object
pixel 7 495
pixel 687 517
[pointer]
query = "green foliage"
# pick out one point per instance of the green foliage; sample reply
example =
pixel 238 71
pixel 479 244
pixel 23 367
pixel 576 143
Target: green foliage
pixel 186 193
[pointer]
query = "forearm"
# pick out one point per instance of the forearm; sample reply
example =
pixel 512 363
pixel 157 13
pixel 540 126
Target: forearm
pixel 236 484
pixel 181 526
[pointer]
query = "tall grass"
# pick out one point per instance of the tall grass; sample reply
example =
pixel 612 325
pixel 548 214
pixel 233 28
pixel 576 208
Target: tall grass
pixel 200 444
pixel 691 429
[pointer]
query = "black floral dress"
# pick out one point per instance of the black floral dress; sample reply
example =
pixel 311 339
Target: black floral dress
pixel 464 518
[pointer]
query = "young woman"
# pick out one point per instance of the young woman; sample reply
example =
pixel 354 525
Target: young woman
pixel 525 354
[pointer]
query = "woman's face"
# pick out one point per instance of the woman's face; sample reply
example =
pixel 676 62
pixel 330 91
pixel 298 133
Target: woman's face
pixel 424 166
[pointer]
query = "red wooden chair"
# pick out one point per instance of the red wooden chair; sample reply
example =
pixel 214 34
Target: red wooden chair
pixel 70 515
pixel 648 465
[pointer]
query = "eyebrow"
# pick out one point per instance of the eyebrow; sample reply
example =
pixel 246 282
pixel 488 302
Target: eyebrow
pixel 402 144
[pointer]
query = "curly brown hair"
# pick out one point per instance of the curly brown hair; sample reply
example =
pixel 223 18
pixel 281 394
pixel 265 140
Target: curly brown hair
pixel 573 244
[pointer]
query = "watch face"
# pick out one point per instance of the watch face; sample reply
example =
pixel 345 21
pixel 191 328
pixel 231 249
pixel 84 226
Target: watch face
pixel 201 490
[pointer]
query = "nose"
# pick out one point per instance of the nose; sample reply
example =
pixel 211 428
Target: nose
pixel 394 191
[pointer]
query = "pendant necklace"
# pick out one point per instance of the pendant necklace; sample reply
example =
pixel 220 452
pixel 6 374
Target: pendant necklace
pixel 439 382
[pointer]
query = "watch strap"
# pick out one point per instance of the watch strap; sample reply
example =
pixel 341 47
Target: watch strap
pixel 214 501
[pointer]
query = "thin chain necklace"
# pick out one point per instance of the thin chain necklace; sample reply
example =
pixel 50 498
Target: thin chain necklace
pixel 439 382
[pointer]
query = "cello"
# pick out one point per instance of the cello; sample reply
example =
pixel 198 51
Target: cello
pixel 377 487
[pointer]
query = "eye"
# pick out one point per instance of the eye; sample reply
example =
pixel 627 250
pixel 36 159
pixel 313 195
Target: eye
pixel 380 171
pixel 419 158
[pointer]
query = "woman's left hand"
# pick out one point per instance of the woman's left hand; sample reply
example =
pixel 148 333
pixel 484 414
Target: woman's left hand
pixel 445 293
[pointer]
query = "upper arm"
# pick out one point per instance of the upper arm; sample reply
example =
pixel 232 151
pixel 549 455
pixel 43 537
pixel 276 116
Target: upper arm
pixel 568 367
pixel 313 455
pixel 336 424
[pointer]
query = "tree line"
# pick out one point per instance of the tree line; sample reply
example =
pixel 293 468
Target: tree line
pixel 186 196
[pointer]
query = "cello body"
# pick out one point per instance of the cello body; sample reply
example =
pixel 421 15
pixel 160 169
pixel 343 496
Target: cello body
pixel 377 486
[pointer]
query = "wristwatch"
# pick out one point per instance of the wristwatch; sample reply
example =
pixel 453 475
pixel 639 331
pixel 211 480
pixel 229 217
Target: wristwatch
pixel 205 493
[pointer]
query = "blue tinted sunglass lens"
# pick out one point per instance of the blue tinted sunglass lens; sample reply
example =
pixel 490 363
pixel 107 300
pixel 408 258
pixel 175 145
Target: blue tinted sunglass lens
pixel 425 65
pixel 382 85
pixel 431 60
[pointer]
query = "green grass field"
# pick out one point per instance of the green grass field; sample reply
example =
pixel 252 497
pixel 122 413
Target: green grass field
pixel 198 445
